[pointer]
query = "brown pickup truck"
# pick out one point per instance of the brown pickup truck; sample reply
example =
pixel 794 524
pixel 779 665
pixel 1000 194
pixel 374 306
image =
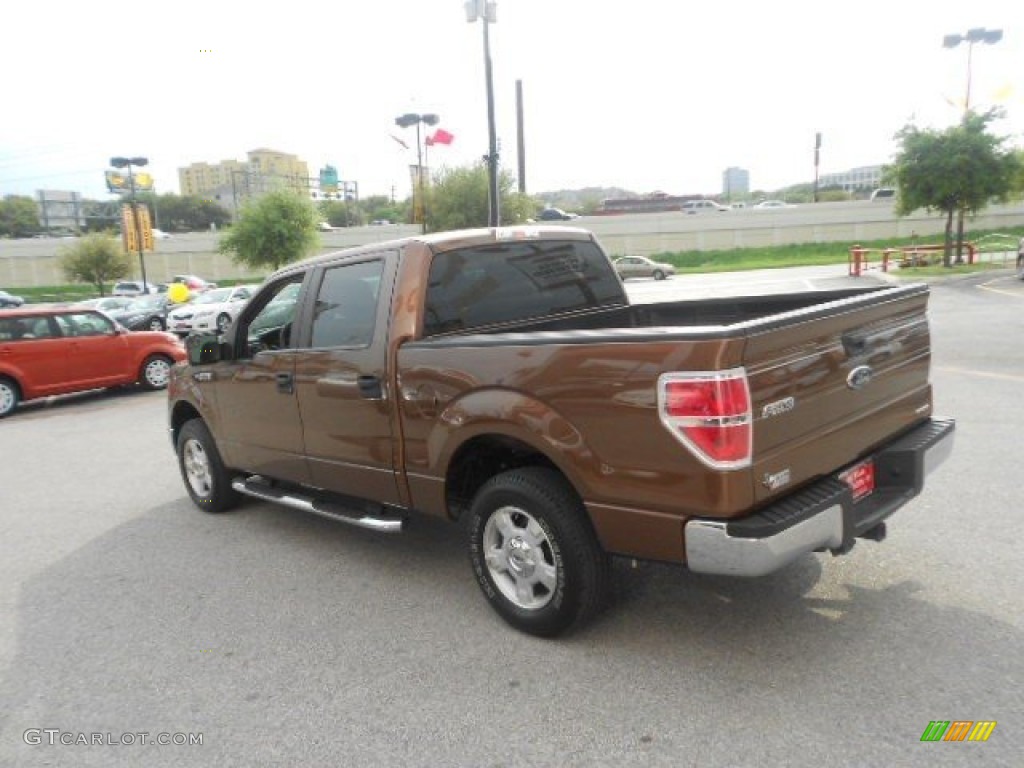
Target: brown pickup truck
pixel 502 378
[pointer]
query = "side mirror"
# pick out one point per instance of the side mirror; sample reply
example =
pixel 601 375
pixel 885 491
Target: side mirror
pixel 204 349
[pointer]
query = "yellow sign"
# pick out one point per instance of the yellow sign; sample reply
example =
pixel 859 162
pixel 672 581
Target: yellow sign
pixel 130 229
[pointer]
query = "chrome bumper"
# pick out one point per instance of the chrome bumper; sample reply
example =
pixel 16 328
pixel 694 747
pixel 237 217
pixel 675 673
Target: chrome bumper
pixel 823 516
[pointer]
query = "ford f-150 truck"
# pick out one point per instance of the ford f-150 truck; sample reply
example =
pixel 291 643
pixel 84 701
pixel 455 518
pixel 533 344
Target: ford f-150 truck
pixel 502 378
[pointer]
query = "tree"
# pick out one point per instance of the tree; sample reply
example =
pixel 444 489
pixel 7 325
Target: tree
pixel 275 229
pixel 458 199
pixel 341 214
pixel 19 216
pixel 963 166
pixel 186 213
pixel 96 259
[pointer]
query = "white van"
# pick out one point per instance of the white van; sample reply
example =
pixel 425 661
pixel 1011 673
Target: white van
pixel 883 193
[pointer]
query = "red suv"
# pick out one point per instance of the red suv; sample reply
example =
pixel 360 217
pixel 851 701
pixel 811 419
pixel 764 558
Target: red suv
pixel 54 351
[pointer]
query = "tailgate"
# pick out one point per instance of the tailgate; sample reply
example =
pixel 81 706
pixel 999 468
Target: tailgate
pixel 830 384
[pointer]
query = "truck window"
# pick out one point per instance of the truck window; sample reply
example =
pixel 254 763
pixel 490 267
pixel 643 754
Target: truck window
pixel 346 305
pixel 507 282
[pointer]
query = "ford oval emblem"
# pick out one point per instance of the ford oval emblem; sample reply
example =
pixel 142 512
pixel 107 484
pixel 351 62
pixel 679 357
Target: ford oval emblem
pixel 859 377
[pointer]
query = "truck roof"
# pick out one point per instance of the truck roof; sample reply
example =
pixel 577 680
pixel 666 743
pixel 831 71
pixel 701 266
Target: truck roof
pixel 451 240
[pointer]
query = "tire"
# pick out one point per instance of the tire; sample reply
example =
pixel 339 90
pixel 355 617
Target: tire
pixel 534 553
pixel 155 324
pixel 223 322
pixel 659 275
pixel 10 395
pixel 155 372
pixel 207 481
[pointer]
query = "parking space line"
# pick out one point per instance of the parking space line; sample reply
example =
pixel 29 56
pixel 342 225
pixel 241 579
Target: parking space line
pixel 1015 377
pixel 987 287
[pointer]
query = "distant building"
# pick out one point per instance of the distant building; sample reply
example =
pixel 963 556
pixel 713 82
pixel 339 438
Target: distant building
pixel 735 183
pixel 866 177
pixel 231 182
pixel 60 210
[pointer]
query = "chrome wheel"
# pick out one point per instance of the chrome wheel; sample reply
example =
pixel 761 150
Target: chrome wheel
pixel 519 558
pixel 156 372
pixel 197 468
pixel 8 397
pixel 156 324
pixel 223 321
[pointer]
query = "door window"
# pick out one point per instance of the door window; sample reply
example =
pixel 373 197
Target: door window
pixel 346 305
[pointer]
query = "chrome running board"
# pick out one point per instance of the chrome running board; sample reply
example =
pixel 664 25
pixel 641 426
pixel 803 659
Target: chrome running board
pixel 331 510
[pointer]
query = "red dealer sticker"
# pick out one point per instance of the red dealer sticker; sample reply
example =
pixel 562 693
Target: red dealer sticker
pixel 860 478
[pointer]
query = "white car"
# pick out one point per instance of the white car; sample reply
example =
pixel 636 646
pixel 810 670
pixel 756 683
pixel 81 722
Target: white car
pixel 133 288
pixel 159 234
pixel 210 311
pixel 703 206
pixel 772 204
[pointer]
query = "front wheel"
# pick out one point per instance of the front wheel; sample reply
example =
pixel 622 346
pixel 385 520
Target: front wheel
pixel 659 275
pixel 535 555
pixel 207 481
pixel 223 322
pixel 156 372
pixel 156 324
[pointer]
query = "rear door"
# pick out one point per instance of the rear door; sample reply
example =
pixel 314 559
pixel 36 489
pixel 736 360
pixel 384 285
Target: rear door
pixel 341 381
pixel 32 350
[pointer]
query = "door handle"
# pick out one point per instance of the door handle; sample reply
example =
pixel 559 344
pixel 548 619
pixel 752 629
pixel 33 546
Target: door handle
pixel 285 383
pixel 370 387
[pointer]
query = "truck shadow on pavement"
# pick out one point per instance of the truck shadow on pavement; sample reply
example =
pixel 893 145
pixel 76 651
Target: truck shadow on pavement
pixel 267 621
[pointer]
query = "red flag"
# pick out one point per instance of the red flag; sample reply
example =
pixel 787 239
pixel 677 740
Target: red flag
pixel 398 140
pixel 441 136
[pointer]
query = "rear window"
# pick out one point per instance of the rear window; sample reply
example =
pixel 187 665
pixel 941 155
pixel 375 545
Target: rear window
pixel 507 282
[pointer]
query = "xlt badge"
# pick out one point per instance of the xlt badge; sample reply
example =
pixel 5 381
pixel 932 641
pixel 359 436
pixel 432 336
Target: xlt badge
pixel 778 408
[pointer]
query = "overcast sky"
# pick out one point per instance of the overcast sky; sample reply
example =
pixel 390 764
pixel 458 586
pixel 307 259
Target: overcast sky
pixel 646 95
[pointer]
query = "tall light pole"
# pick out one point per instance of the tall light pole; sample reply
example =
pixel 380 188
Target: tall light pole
pixel 128 162
pixel 976 35
pixel 487 10
pixel 404 121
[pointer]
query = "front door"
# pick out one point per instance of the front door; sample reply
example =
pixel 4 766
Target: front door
pixel 258 427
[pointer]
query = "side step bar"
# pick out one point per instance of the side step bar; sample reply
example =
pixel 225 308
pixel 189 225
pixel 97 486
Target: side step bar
pixel 332 511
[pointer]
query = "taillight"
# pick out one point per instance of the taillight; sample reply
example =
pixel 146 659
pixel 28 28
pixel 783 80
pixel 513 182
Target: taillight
pixel 709 413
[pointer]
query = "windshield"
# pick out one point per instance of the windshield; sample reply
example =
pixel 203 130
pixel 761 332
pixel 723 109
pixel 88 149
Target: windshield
pixel 146 303
pixel 214 297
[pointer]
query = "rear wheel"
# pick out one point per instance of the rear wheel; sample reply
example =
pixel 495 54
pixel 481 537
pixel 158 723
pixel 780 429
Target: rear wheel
pixel 9 396
pixel 207 481
pixel 156 372
pixel 535 555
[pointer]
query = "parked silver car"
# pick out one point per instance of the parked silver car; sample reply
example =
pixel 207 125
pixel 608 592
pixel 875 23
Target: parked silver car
pixel 639 266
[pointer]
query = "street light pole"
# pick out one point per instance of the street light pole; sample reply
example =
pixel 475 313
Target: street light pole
pixel 487 10
pixel 404 121
pixel 976 35
pixel 128 162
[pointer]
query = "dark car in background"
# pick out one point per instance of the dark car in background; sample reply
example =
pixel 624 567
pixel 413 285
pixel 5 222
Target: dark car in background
pixel 146 313
pixel 555 214
pixel 10 300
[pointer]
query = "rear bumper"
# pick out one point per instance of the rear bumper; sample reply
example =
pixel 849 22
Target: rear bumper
pixel 821 516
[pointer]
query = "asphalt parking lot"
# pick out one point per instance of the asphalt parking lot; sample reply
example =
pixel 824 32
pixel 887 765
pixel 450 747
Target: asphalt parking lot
pixel 284 639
